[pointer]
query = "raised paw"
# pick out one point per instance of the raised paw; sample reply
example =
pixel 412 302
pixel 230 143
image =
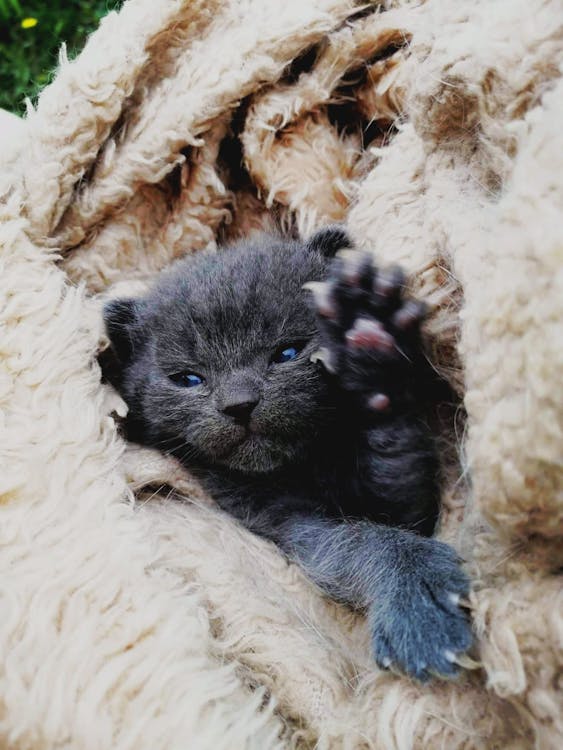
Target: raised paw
pixel 418 625
pixel 370 331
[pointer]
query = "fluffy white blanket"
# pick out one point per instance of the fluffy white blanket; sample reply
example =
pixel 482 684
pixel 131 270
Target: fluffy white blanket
pixel 133 613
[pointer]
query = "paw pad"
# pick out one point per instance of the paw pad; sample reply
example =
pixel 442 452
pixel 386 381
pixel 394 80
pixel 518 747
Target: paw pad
pixel 370 334
pixel 379 402
pixel 370 331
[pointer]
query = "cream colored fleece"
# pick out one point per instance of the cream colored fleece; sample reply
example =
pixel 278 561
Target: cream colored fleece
pixel 136 615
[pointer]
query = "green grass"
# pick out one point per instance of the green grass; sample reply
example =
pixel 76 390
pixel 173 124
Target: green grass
pixel 30 36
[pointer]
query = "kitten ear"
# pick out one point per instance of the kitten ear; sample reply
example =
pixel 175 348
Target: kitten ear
pixel 121 317
pixel 329 240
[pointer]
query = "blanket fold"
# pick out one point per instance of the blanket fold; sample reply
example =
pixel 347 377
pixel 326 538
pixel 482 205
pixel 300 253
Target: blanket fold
pixel 134 613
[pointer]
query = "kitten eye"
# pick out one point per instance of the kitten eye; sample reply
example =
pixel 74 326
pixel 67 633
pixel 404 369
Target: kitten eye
pixel 186 379
pixel 287 353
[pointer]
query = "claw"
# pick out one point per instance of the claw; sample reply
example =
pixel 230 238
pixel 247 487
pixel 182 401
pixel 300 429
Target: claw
pixel 390 282
pixel 462 660
pixel 323 301
pixel 466 662
pixel 355 268
pixel 326 357
pixel 409 314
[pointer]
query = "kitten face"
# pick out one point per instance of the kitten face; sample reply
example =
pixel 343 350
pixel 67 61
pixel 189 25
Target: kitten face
pixel 216 358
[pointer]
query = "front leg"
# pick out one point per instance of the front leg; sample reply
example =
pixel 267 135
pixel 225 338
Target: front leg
pixel 410 586
pixel 371 345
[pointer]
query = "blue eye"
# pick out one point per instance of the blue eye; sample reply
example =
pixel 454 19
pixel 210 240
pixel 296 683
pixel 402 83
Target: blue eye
pixel 186 379
pixel 286 354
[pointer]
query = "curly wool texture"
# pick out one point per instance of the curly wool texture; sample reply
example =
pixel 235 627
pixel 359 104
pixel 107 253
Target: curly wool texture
pixel 135 614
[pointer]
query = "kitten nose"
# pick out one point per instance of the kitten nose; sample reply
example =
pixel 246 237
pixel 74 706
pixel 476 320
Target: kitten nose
pixel 241 407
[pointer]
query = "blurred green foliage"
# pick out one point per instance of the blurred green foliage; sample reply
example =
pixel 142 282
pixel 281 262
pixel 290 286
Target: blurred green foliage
pixel 31 34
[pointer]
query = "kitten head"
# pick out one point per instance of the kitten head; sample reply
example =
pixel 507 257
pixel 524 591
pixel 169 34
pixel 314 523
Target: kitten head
pixel 215 360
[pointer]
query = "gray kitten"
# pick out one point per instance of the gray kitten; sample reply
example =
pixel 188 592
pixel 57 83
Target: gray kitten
pixel 326 454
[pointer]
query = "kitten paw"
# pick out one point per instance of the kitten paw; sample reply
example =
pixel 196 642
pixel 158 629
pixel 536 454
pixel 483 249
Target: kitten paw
pixel 418 625
pixel 370 332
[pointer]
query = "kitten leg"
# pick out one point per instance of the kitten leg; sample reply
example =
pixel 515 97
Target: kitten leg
pixel 372 345
pixel 397 473
pixel 409 585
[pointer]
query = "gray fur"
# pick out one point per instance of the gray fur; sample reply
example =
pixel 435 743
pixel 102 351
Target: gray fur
pixel 340 480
